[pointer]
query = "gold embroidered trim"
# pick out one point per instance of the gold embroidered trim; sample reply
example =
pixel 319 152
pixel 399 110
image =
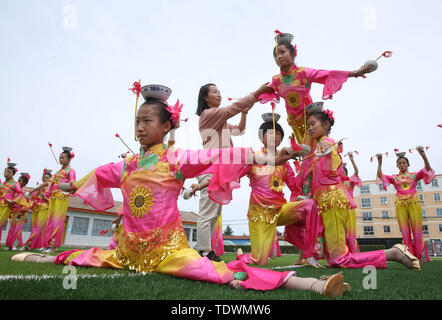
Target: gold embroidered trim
pixel 332 197
pixel 144 253
pixel 267 215
pixel 407 200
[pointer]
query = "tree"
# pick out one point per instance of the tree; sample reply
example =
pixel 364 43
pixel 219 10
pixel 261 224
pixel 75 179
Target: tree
pixel 228 231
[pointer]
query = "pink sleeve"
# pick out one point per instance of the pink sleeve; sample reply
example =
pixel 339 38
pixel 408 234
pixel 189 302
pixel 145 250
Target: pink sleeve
pixel 331 79
pixel 72 175
pixel 386 181
pixel 227 166
pixel 95 187
pixel 330 166
pixel 356 181
pixel 427 175
pixel 291 180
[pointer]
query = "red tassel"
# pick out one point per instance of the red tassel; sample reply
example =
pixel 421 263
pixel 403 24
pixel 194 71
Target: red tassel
pixel 396 150
pixel 50 144
pixel 371 159
pixel 117 135
pixel 409 150
pixel 356 152
pixel 297 166
pixel 426 148
pixel 386 154
pixel 136 88
pixel 439 125
pixel 294 145
pixel 9 159
pixel 103 232
pixel 273 105
pixel 387 54
pixel 278 32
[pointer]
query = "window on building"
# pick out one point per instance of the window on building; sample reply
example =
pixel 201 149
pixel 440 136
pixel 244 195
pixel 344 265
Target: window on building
pixel 27 226
pixel 434 183
pixel 387 229
pixel 365 203
pixel 439 212
pixel 381 187
pixel 419 186
pixel 365 189
pixel 384 214
pixel 384 200
pixel 194 235
pixel 187 231
pixel 440 228
pixel 368 231
pixel 421 198
pixel 425 229
pixel 424 213
pixel 80 226
pixel 101 225
pixel 367 216
pixel 436 197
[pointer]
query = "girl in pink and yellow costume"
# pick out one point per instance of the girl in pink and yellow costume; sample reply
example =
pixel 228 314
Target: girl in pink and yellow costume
pixel 58 201
pixel 408 206
pixel 293 84
pixel 334 202
pixel 268 207
pixel 39 203
pixel 350 184
pixel 19 211
pixel 154 239
pixel 10 191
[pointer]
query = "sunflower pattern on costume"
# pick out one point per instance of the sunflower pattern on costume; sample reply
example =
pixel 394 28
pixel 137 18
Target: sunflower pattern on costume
pixel 140 201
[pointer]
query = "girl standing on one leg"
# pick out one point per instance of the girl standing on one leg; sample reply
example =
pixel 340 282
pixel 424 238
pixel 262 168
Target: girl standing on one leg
pixel 17 219
pixel 39 204
pixel 350 184
pixel 408 206
pixel 154 239
pixel 10 191
pixel 58 202
pixel 334 203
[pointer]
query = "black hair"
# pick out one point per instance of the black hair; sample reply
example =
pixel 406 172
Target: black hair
pixel 25 179
pixel 202 104
pixel 161 106
pixel 267 126
pixel 345 169
pixel 287 45
pixel 12 169
pixel 68 154
pixel 44 174
pixel 399 158
pixel 322 117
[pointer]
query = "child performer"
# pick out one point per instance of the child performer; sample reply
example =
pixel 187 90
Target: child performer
pixel 19 211
pixel 334 204
pixel 408 207
pixel 268 208
pixel 350 184
pixel 10 191
pixel 294 84
pixel 154 239
pixel 39 204
pixel 58 202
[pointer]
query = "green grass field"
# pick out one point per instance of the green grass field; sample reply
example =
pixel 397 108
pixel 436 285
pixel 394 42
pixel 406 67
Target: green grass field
pixel 29 281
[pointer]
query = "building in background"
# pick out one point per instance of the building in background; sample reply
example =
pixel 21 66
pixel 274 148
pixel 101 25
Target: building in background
pixel 376 221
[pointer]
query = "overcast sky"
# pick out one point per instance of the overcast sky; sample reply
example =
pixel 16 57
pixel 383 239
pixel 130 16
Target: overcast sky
pixel 66 67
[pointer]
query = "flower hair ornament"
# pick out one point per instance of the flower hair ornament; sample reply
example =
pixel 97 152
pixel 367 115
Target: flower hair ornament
pixel 47 171
pixel 329 113
pixel 25 175
pixel 175 111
